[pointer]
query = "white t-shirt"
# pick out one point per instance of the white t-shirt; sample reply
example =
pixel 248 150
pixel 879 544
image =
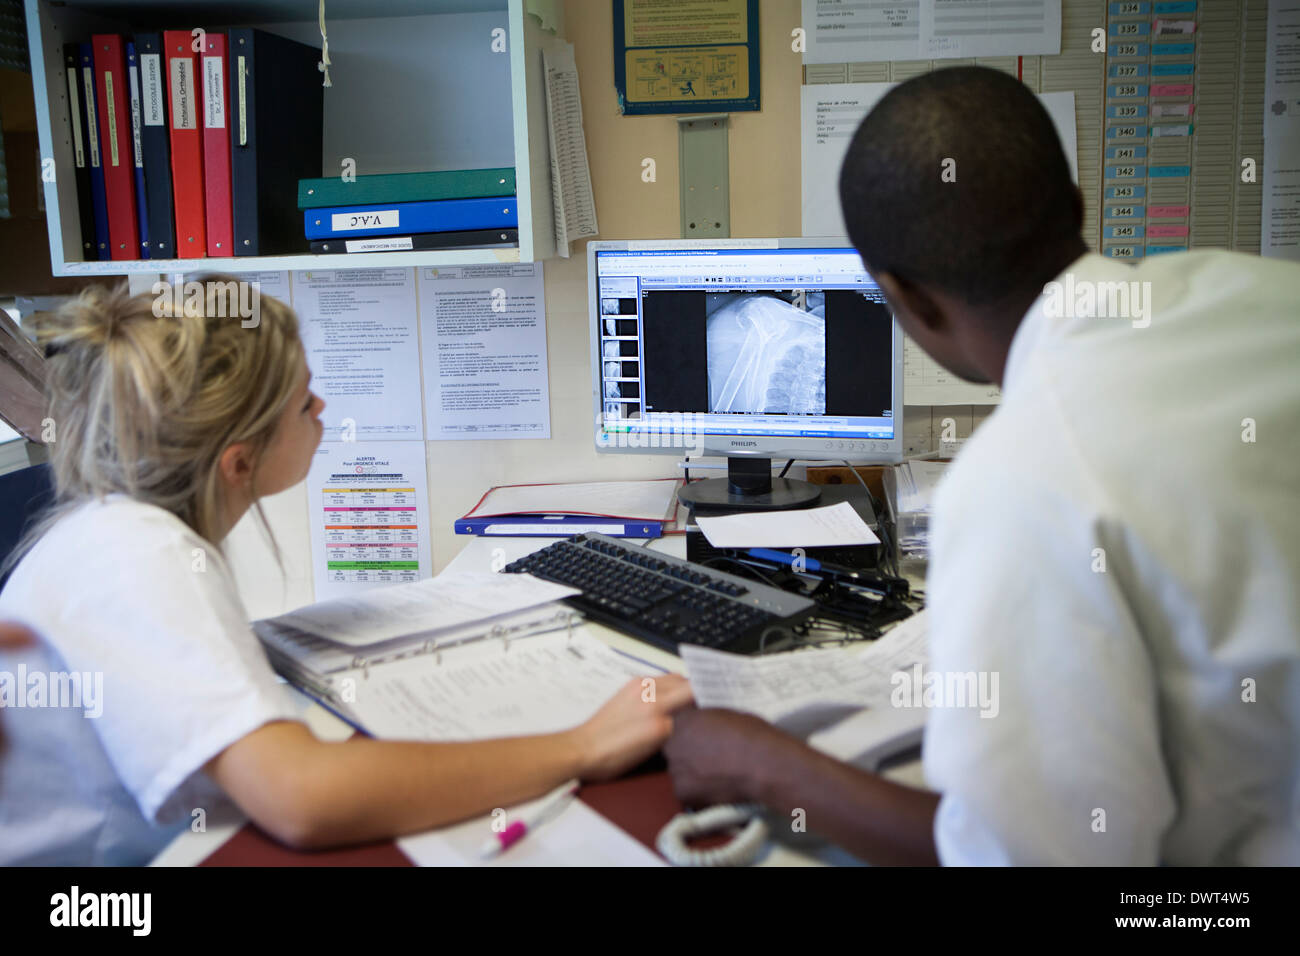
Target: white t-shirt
pixel 1120 543
pixel 126 593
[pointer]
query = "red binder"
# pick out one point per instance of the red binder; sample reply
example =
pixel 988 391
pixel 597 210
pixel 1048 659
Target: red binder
pixel 216 147
pixel 114 96
pixel 185 102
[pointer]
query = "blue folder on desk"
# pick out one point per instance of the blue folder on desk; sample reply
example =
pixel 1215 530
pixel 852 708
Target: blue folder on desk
pixel 405 218
pixel 623 509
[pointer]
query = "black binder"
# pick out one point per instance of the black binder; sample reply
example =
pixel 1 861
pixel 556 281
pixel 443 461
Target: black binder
pixel 80 159
pixel 276 105
pixel 155 145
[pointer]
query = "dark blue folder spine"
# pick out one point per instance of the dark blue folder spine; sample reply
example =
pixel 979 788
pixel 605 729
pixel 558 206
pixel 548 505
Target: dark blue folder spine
pixel 137 156
pixel 80 150
pixel 275 138
pixel 95 157
pixel 154 145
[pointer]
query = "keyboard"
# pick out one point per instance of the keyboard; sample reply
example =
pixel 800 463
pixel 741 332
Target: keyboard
pixel 664 600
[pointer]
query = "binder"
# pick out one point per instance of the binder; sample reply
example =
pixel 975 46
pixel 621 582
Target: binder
pixel 366 690
pixel 80 151
pixel 443 215
pixel 276 127
pixel 113 97
pixel 154 146
pixel 98 198
pixel 643 509
pixel 137 154
pixel 216 147
pixel 406 187
pixel 424 240
pixel 183 104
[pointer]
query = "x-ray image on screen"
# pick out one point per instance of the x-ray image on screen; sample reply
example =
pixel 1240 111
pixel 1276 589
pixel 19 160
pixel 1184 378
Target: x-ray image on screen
pixel 767 353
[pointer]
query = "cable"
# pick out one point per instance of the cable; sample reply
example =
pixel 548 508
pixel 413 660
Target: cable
pixel 741 851
pixel 786 468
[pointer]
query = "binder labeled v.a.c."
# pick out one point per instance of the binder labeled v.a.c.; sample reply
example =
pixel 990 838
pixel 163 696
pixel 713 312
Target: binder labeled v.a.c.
pixel 442 215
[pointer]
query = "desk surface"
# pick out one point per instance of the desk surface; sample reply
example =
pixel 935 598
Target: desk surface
pixel 639 804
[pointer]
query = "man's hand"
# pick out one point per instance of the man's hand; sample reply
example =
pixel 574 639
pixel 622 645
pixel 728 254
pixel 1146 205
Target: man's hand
pixel 722 756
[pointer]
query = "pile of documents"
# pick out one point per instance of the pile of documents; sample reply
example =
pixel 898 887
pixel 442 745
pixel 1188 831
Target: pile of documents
pixel 465 656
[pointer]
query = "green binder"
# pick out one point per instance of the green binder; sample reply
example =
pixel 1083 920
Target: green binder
pixel 406 187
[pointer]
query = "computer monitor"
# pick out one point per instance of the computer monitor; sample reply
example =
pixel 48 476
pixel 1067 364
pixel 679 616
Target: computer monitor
pixel 752 349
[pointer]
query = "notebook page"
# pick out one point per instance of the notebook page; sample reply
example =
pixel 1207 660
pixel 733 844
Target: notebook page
pixel 539 685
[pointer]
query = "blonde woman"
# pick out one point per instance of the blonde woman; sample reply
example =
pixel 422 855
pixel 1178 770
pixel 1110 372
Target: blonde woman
pixel 169 429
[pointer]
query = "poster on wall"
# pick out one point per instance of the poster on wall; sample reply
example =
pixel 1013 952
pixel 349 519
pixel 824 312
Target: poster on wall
pixel 368 504
pixel 688 56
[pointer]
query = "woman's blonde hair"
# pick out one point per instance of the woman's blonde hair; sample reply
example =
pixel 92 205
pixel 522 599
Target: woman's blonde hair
pixel 146 391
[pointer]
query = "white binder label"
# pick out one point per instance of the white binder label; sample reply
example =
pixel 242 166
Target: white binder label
pixel 395 243
pixel 92 130
pixel 135 120
pixel 243 102
pixel 151 80
pixel 214 93
pixel 348 221
pixel 110 112
pixel 74 106
pixel 184 115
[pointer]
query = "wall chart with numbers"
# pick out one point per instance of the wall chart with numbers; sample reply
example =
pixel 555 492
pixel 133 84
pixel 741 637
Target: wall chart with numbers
pixel 369 506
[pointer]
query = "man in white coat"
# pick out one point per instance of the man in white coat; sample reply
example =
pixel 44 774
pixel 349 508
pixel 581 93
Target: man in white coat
pixel 1119 542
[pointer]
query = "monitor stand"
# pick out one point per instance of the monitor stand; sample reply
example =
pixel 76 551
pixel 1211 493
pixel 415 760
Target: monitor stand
pixel 749 486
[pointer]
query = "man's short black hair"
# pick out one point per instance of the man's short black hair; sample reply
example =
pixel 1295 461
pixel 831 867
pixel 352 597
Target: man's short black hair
pixel 989 232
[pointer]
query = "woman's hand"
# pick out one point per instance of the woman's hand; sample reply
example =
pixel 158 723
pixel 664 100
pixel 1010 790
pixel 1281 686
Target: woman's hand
pixel 631 726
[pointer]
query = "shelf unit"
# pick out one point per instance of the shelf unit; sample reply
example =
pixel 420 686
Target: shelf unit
pixel 417 88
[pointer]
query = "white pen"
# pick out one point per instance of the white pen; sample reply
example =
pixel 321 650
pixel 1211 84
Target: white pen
pixel 552 803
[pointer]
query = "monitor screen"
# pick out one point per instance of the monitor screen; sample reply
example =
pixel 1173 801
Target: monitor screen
pixel 782 345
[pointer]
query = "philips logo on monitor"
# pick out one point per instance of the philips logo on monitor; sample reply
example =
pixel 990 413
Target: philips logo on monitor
pixel 745 444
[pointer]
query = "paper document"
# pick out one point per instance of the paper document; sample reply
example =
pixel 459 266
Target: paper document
pixel 647 500
pixel 929 29
pixel 579 836
pixel 838 699
pixel 483 341
pixel 803 528
pixel 536 685
pixel 423 607
pixel 575 208
pixel 359 332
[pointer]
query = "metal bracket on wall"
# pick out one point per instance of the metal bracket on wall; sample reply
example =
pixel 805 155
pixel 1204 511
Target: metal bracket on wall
pixel 702 167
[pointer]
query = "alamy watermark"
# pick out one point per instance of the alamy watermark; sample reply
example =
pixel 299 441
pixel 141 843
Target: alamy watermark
pixel 76 690
pixel 214 298
pixel 682 430
pixel 921 687
pixel 1086 299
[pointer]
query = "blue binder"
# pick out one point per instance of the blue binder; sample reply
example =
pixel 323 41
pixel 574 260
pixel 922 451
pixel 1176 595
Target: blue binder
pixel 405 218
pixel 99 198
pixel 137 153
pixel 155 147
pixel 558 526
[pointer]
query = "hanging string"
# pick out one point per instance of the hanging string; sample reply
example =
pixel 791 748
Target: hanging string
pixel 324 64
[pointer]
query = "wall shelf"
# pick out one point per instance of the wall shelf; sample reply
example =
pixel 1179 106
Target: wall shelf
pixel 418 88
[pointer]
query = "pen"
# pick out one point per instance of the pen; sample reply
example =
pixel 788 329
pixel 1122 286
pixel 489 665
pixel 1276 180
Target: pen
pixel 875 583
pixel 551 805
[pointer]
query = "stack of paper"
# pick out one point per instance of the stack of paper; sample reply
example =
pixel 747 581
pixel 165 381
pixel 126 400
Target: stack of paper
pixel 840 700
